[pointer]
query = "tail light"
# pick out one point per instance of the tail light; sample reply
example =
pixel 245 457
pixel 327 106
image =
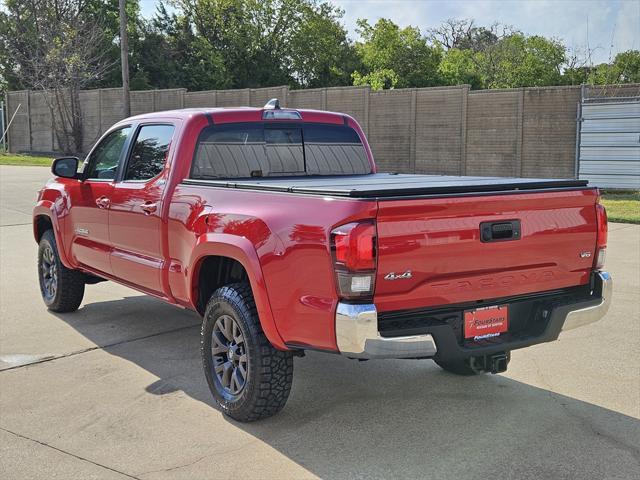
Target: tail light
pixel 354 255
pixel 602 233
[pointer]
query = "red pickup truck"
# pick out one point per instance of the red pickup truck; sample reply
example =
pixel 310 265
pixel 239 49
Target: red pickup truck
pixel 273 224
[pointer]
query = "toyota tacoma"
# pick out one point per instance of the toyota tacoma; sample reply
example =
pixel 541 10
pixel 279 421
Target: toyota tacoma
pixel 273 224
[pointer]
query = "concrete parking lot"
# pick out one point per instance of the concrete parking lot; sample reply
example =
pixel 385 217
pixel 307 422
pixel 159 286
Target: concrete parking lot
pixel 116 390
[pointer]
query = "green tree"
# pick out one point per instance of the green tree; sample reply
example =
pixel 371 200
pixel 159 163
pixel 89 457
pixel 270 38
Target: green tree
pixel 59 48
pixel 521 61
pixel 458 67
pixel 109 14
pixel 273 42
pixel 171 55
pixel 102 13
pixel 500 57
pixel 625 68
pixel 321 53
pixel 628 64
pixel 395 57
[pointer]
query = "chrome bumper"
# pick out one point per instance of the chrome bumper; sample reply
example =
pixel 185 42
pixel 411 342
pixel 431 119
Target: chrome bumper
pixel 358 337
pixel 585 316
pixel 357 333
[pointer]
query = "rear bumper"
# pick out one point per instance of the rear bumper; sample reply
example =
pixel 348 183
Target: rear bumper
pixel 358 336
pixel 589 314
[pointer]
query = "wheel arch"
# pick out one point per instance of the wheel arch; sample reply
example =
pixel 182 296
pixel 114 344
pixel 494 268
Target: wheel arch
pixel 44 219
pixel 230 251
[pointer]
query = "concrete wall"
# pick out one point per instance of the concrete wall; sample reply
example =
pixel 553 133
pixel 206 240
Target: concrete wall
pixel 444 130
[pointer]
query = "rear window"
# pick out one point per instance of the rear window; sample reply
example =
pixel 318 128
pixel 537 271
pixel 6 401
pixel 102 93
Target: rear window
pixel 240 150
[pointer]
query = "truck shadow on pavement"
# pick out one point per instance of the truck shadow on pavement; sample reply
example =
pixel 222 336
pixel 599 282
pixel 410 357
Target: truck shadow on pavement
pixel 383 419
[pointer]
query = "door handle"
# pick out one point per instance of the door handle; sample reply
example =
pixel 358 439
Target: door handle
pixel 103 202
pixel 149 207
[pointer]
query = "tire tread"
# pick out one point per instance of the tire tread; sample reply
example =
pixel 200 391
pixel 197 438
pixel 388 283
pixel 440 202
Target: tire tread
pixel 275 369
pixel 70 290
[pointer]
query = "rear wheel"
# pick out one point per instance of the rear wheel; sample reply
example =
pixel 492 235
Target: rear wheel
pixel 62 288
pixel 248 377
pixel 470 366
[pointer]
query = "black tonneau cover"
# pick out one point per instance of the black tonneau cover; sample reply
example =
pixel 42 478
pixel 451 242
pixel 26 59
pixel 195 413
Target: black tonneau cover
pixel 386 185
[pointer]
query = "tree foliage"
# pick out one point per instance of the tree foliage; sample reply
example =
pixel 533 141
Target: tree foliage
pixel 625 68
pixel 58 48
pixel 176 57
pixel 395 57
pixel 274 42
pixel 520 61
pixel 65 45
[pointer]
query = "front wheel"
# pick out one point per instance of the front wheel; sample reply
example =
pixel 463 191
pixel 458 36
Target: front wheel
pixel 248 377
pixel 62 288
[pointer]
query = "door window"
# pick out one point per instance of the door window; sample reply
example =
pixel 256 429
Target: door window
pixel 103 162
pixel 149 152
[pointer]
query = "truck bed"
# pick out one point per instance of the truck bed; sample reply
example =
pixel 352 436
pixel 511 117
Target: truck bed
pixel 391 185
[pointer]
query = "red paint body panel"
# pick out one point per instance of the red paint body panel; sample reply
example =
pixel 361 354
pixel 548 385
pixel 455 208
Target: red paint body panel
pixel 290 238
pixel 135 254
pixel 439 241
pixel 282 239
pixel 90 250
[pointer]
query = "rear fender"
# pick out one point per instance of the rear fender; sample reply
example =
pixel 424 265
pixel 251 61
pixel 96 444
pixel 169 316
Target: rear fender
pixel 243 251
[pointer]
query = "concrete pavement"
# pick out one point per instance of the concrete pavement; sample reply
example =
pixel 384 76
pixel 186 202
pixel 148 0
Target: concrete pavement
pixel 116 390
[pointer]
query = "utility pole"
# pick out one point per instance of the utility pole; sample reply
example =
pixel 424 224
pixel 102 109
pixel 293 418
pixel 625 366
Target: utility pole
pixel 124 56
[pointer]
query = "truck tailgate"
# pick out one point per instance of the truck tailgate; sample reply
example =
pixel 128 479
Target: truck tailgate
pixel 438 240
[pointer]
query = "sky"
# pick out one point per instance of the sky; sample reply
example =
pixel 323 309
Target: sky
pixel 605 27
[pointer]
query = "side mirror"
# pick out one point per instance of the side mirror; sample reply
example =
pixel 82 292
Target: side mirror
pixel 65 167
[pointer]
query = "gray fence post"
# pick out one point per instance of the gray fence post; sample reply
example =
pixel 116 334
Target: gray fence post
pixel 412 127
pixel 2 123
pixel 463 129
pixel 576 167
pixel 365 127
pixel 517 165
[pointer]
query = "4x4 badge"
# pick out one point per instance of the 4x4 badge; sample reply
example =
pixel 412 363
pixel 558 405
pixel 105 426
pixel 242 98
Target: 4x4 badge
pixel 400 276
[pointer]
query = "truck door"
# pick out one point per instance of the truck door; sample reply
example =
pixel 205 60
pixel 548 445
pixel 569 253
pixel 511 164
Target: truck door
pixel 135 223
pixel 89 209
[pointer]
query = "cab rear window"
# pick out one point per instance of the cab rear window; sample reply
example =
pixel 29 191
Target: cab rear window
pixel 241 150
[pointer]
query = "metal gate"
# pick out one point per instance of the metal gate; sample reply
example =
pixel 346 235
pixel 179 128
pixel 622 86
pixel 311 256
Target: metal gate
pixel 609 142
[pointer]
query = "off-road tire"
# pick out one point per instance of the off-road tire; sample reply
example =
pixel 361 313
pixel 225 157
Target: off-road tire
pixel 69 284
pixel 269 371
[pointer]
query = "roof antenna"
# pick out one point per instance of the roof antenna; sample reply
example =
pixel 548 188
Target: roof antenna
pixel 273 104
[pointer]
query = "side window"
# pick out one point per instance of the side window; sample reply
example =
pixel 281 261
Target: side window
pixel 149 152
pixel 334 150
pixel 103 162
